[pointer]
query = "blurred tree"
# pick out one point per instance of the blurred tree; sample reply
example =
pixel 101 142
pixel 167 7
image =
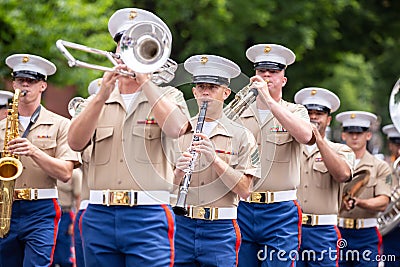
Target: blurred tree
pixel 347 46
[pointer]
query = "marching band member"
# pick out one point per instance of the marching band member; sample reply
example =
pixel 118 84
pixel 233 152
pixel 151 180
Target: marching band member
pixel 227 160
pixel 324 166
pixel 46 158
pixel 93 88
pixel 69 197
pixel 391 245
pixel 271 217
pixel 128 221
pixel 357 219
pixel 5 96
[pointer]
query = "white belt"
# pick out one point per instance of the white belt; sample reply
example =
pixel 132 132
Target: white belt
pixel 350 223
pixel 84 204
pixel 128 197
pixel 269 197
pixel 35 194
pixel 312 219
pixel 211 213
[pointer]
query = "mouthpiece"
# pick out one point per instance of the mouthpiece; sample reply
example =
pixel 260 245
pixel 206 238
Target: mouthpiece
pixel 23 93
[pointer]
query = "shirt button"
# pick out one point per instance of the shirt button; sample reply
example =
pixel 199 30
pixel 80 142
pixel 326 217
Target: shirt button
pixel 119 182
pixel 121 160
pixel 305 186
pixel 305 201
pixel 202 183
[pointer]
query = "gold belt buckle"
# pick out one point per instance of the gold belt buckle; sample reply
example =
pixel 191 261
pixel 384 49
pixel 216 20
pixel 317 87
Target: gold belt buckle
pixel 349 223
pixel 121 198
pixel 203 213
pixel 262 197
pixel 25 194
pixel 306 219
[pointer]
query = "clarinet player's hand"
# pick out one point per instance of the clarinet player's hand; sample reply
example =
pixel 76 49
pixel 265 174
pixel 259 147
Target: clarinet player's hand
pixel 206 147
pixel 181 165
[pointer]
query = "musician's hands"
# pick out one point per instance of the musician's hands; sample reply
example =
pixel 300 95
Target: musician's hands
pixel 108 83
pixel 350 203
pixel 206 147
pixel 21 147
pixel 183 161
pixel 262 87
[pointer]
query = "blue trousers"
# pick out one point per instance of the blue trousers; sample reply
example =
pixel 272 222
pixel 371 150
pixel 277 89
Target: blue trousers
pixel 391 248
pixel 32 237
pixel 360 247
pixel 206 243
pixel 78 245
pixel 270 233
pixel 63 255
pixel 128 236
pixel 319 246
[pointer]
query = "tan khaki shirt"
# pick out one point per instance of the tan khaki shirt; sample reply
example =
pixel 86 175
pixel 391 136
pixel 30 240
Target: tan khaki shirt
pixel 69 191
pixel 235 145
pixel 280 152
pixel 380 183
pixel 49 134
pixel 318 192
pixel 130 151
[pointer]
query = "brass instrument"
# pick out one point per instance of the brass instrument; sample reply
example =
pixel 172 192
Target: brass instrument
pixel 243 99
pixel 74 105
pixel 355 187
pixel 145 48
pixel 390 218
pixel 180 207
pixel 10 166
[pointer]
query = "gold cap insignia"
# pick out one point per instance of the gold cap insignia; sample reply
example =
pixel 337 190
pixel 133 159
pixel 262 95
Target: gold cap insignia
pixel 25 59
pixel 267 49
pixel 99 82
pixel 313 92
pixel 132 14
pixel 203 60
pixel 352 116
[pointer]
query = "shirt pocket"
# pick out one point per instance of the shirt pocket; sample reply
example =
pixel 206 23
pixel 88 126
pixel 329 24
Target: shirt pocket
pixel 323 178
pixel 147 143
pixel 103 145
pixel 47 145
pixel 279 147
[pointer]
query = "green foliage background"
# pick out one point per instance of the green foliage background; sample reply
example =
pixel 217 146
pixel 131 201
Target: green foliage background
pixel 348 46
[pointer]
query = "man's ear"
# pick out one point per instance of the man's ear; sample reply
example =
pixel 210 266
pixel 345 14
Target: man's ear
pixel 284 81
pixel 227 92
pixel 43 86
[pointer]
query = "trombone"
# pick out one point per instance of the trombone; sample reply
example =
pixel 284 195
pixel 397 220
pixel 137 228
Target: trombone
pixel 145 48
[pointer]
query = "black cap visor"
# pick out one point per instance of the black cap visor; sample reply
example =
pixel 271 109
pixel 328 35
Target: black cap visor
pixel 318 108
pixel 211 79
pixel 269 65
pixel 355 129
pixel 395 140
pixel 28 74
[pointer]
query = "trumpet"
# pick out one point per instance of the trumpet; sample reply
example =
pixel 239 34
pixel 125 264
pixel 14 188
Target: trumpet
pixel 74 105
pixel 145 48
pixel 243 99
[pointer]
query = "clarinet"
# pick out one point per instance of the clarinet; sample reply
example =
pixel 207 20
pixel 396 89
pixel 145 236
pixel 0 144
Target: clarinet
pixel 180 207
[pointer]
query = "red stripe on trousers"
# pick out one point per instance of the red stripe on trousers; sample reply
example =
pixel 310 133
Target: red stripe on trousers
pixel 339 236
pixel 379 240
pixel 170 221
pixel 238 239
pixel 57 209
pixel 298 226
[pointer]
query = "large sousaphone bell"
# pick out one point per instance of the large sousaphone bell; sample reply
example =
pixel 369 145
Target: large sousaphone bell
pixel 390 218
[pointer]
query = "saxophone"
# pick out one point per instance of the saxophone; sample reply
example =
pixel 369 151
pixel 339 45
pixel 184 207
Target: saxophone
pixel 10 166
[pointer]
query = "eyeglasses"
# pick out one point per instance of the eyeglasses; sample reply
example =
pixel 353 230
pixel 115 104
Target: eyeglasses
pixel 26 80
